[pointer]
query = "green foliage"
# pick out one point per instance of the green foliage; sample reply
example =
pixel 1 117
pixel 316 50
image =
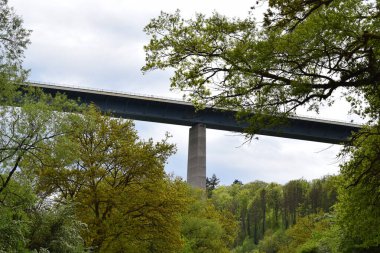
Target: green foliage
pixel 26 224
pixel 248 245
pixel 14 37
pixel 211 184
pixel 15 200
pixel 206 229
pixel 303 236
pixel 273 242
pixel 25 131
pixel 359 195
pixel 282 218
pixel 55 229
pixel 294 200
pixel 304 53
pixel 274 201
pixel 116 182
pixel 323 193
pixel 148 219
pixel 13 41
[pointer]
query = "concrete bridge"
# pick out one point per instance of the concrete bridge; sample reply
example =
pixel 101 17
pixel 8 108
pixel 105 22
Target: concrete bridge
pixel 153 109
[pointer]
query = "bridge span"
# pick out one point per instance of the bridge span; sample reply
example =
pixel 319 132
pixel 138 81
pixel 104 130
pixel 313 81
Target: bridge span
pixel 154 109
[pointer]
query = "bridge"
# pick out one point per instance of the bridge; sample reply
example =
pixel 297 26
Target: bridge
pixel 162 110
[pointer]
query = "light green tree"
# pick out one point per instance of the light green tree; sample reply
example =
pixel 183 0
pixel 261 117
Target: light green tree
pixel 305 52
pixel 358 208
pixel 28 117
pixel 14 39
pixel 206 229
pixel 25 131
pixel 117 183
pixel 15 200
pixel 29 223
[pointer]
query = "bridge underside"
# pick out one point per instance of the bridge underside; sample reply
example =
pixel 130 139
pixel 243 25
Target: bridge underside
pixel 181 113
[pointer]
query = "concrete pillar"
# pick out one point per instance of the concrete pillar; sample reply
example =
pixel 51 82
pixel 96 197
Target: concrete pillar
pixel 196 161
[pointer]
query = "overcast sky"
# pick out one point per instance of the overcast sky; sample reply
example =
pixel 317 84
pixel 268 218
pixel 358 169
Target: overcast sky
pixel 99 44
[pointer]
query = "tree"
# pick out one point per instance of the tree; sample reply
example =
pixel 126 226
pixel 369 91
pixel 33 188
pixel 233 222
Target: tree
pixel 222 199
pixel 211 184
pixel 28 118
pixel 272 243
pixel 322 194
pixel 206 229
pixel 237 181
pixel 309 235
pixel 294 197
pixel 358 208
pixel 117 184
pixel 15 200
pixel 25 131
pixel 255 216
pixel 14 39
pixel 275 200
pixel 268 212
pixel 305 52
pixel 55 228
pixel 28 222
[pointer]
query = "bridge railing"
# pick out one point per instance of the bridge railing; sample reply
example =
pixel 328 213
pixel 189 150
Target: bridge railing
pixel 166 99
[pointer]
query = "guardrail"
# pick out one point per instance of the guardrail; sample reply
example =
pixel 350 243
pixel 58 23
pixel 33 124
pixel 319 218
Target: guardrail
pixel 166 99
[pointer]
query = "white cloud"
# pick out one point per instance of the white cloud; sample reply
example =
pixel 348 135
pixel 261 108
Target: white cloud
pixel 269 158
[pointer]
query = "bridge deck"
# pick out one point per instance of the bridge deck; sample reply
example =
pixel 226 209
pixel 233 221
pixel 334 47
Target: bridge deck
pixel 182 113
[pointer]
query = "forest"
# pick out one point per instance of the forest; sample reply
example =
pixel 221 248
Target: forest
pixel 75 180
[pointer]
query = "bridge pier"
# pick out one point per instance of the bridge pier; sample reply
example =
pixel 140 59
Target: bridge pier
pixel 196 161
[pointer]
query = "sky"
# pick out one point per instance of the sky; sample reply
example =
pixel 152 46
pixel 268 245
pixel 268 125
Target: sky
pixel 99 44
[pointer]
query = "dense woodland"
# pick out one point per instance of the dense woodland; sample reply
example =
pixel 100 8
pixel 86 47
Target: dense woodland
pixel 295 217
pixel 74 180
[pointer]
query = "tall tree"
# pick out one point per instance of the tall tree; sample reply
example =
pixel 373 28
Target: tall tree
pixel 211 184
pixel 305 52
pixel 274 200
pixel 15 201
pixel 206 229
pixel 14 39
pixel 294 197
pixel 358 209
pixel 322 194
pixel 28 222
pixel 26 130
pixel 118 184
pixel 263 207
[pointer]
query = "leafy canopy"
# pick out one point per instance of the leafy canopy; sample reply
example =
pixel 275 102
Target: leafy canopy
pixel 303 53
pixel 117 183
pixel 14 39
pixel 358 208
